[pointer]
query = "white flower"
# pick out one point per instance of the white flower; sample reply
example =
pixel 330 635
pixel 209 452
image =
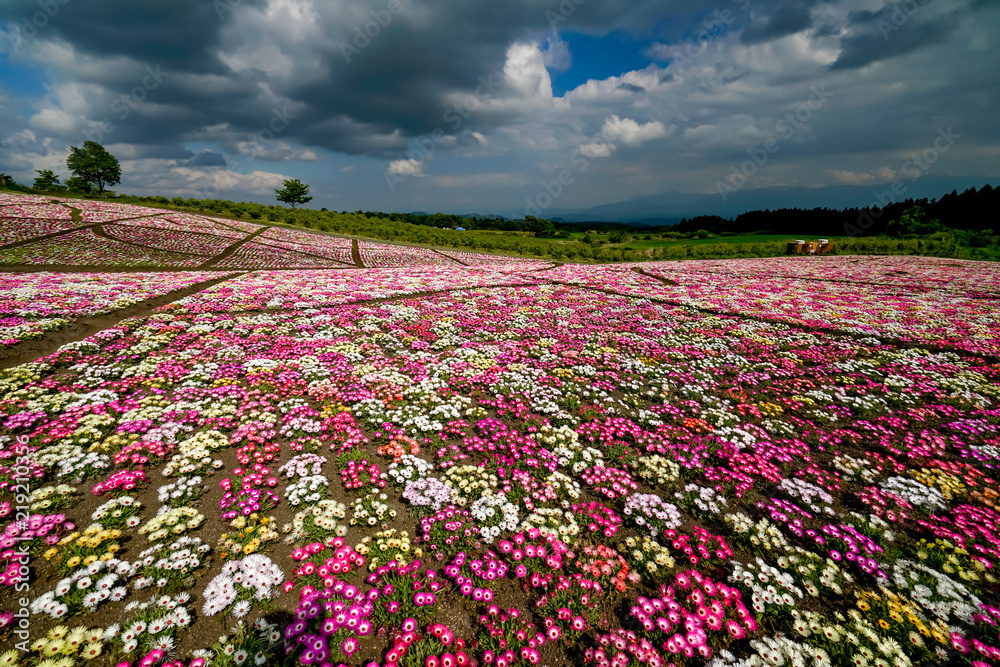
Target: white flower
pixel 241 609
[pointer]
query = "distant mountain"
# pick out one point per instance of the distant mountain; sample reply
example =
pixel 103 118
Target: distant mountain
pixel 671 206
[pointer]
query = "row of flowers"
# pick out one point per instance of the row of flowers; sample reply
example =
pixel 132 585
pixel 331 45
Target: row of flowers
pixel 34 303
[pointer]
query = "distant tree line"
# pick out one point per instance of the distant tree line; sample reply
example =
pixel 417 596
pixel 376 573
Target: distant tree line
pixel 953 211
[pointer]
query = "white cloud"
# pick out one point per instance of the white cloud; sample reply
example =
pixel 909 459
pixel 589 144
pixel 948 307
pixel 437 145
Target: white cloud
pixel 406 167
pixel 597 149
pixel 557 55
pixel 256 182
pixel 53 120
pixel 525 72
pixel 880 175
pixel 631 132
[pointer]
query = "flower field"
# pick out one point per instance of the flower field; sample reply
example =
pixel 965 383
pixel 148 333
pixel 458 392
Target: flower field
pixel 448 459
pixel 37 231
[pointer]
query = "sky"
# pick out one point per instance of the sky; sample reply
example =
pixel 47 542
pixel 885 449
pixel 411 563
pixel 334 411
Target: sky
pixel 500 107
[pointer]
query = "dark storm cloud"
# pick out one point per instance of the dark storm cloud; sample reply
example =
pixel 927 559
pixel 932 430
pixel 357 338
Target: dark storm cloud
pixel 894 30
pixel 180 34
pixel 206 159
pixel 787 19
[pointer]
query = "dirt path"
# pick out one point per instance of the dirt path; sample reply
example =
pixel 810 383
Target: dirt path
pixel 99 230
pixel 454 259
pixel 32 350
pixel 231 249
pixel 665 281
pixel 63 232
pixel 356 254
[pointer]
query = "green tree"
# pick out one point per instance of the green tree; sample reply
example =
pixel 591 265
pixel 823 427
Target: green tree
pixel 94 164
pixel 295 192
pixel 45 179
pixel 78 184
pixel 913 221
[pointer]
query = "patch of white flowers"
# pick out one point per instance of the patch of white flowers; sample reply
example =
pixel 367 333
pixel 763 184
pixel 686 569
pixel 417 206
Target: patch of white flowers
pixel 310 489
pixel 494 514
pixel 915 493
pixel 184 491
pixel 769 586
pixel 407 469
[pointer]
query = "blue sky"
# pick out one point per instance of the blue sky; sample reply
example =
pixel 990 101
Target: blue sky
pixel 599 57
pixel 452 106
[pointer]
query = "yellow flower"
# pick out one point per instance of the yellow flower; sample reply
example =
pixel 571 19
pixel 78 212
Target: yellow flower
pixel 884 624
pixel 89 559
pixel 51 553
pixel 73 562
pixel 91 651
pixel 53 647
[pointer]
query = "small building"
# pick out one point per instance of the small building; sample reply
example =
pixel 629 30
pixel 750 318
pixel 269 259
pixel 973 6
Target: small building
pixel 803 247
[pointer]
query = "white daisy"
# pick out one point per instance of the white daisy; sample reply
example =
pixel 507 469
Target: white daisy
pixel 241 609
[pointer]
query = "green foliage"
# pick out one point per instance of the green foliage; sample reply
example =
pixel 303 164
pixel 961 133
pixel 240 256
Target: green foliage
pixel 912 223
pixel 94 164
pixel 294 192
pixel 45 180
pixel 78 184
pixel 7 182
